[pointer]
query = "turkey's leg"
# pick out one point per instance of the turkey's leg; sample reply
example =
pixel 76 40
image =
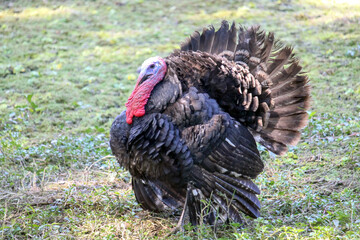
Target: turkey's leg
pixel 180 224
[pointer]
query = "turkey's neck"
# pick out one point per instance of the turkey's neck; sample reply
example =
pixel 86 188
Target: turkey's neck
pixel 135 106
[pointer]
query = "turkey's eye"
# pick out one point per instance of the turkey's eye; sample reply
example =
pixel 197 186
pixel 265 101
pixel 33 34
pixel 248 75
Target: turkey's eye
pixel 152 66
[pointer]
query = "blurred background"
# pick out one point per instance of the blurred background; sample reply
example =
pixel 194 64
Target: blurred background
pixel 67 68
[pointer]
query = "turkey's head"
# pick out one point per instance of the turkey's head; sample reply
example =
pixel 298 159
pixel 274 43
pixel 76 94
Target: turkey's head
pixel 152 71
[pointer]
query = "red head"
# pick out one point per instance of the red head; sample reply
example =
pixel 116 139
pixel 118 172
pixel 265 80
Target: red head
pixel 152 71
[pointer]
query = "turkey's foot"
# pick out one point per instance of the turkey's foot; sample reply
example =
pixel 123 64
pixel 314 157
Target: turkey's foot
pixel 179 228
pixel 180 225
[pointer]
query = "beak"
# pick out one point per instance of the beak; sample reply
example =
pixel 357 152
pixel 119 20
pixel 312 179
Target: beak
pixel 142 77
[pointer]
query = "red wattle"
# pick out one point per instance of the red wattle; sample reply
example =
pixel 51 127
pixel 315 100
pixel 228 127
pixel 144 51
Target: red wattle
pixel 135 106
pixel 128 118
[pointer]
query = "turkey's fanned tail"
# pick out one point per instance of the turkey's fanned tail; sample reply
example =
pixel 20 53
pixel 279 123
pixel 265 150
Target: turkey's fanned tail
pixel 289 94
pixel 284 96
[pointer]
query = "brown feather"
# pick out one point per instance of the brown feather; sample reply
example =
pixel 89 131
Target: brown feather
pixel 292 122
pixel 299 107
pixel 195 41
pixel 276 91
pixel 268 46
pixel 281 59
pixel 297 95
pixel 286 137
pixel 207 39
pixel 289 86
pixel 221 38
pixel 231 45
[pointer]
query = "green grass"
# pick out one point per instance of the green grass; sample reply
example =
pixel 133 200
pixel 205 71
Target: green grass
pixel 67 68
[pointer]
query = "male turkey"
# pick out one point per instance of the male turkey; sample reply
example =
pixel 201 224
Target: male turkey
pixel 188 133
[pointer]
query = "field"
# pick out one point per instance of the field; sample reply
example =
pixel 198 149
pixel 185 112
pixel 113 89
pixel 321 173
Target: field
pixel 67 68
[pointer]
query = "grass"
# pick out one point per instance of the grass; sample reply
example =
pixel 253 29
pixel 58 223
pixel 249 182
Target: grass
pixel 66 69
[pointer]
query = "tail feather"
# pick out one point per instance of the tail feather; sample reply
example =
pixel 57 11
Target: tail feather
pixel 290 87
pixel 284 136
pixel 291 92
pixel 288 101
pixel 281 59
pixel 284 95
pixel 231 198
pixel 287 74
pixel 246 207
pixel 298 95
pixel 156 196
pixel 291 109
pixel 285 90
pixel 221 39
pixel 147 197
pixel 242 183
pixel 291 122
pixel 270 143
pixel 268 47
pixel 247 45
pixel 195 40
pixel 212 210
pixel 207 39
pixel 227 210
pixel 247 198
pixel 232 39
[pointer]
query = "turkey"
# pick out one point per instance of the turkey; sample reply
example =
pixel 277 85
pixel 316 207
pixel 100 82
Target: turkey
pixel 191 124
